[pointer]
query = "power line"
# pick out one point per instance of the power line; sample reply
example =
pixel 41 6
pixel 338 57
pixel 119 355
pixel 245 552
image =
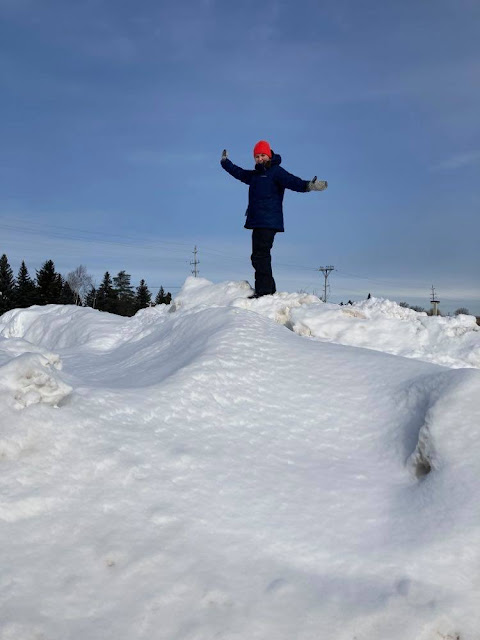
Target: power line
pixel 57 231
pixel 374 280
pixel 71 233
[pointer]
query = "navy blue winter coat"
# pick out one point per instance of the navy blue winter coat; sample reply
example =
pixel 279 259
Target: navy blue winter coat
pixel 265 195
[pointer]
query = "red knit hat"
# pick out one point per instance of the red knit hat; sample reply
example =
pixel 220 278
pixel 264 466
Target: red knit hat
pixel 262 147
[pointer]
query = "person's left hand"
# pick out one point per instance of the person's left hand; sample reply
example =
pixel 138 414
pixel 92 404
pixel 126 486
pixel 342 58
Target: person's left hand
pixel 317 185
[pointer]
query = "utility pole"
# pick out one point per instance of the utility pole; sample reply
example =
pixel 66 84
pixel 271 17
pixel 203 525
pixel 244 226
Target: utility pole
pixel 434 302
pixel 195 271
pixel 326 273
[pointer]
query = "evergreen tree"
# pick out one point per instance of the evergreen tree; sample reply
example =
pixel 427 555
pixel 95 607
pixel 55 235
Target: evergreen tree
pixel 125 295
pixel 67 295
pixel 143 296
pixel 162 297
pixel 25 291
pixel 7 286
pixel 106 295
pixel 91 298
pixel 49 284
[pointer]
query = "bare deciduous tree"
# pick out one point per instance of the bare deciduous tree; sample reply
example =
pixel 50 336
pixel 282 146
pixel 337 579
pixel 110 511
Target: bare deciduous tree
pixel 80 282
pixel 418 309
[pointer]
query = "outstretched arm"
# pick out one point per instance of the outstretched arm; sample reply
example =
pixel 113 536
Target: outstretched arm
pixel 289 181
pixel 237 172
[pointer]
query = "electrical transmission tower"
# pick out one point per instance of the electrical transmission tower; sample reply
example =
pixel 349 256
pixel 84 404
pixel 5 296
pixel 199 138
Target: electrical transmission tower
pixel 195 271
pixel 434 302
pixel 326 273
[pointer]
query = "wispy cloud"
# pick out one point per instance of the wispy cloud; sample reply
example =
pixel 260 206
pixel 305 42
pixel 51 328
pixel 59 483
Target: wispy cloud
pixel 458 161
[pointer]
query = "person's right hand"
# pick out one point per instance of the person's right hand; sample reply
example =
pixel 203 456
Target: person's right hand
pixel 224 155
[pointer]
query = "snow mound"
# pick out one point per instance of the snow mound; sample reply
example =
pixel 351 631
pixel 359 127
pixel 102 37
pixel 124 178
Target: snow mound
pixel 373 307
pixel 376 323
pixel 385 326
pixel 200 293
pixel 217 475
pixel 62 326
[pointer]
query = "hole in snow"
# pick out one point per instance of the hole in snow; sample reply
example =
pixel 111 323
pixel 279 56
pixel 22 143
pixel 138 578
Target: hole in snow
pixel 421 459
pixel 422 466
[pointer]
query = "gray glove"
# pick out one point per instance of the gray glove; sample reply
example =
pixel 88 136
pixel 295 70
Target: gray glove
pixel 224 155
pixel 317 185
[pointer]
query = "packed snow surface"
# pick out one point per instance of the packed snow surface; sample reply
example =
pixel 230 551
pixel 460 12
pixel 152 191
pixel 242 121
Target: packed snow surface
pixel 228 468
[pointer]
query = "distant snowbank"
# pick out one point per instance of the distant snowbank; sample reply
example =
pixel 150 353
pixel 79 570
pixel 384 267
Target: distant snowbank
pixel 374 324
pixel 385 326
pixel 377 323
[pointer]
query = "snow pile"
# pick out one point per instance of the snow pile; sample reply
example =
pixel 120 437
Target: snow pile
pixel 62 326
pixel 200 293
pixel 213 474
pixel 385 326
pixel 376 323
pixel 32 378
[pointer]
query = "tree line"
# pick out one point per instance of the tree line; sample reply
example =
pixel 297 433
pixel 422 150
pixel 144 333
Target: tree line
pixel 115 295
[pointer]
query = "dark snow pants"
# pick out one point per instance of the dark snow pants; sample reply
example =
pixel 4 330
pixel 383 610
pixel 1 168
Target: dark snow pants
pixel 262 243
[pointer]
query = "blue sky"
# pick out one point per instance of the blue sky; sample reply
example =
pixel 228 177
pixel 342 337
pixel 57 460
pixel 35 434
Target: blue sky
pixel 114 114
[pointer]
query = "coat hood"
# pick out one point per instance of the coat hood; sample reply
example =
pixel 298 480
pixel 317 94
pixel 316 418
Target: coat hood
pixel 275 160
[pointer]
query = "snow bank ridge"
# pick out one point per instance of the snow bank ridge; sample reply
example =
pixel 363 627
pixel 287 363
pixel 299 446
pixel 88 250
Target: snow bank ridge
pixel 376 323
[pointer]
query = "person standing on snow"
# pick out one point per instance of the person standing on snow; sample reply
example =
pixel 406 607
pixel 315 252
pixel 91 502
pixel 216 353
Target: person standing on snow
pixel 267 184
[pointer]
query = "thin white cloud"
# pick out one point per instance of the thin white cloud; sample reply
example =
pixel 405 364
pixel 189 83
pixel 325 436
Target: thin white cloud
pixel 458 161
